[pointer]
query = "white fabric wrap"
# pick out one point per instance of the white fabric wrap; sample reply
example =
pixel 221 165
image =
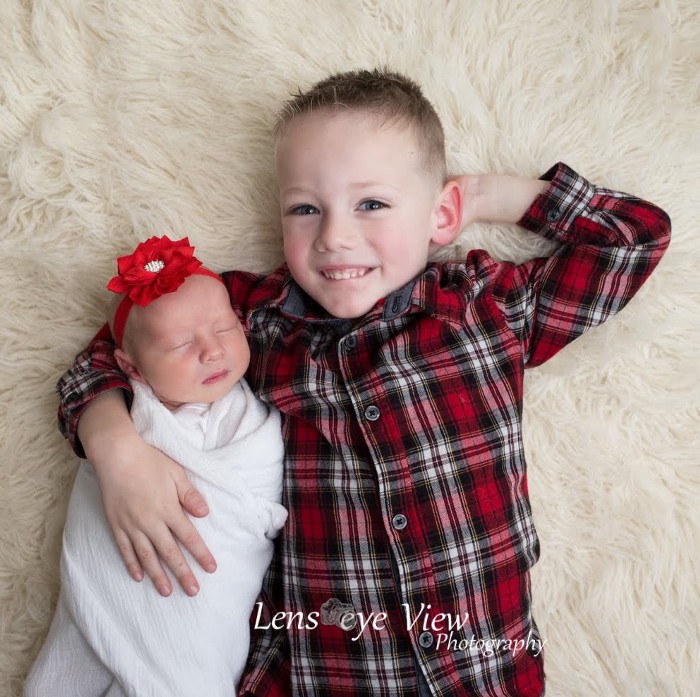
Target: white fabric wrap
pixel 233 453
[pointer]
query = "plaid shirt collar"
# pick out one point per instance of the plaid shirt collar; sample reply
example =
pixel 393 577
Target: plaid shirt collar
pixel 416 296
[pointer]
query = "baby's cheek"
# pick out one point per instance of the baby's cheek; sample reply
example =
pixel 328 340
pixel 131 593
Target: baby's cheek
pixel 170 372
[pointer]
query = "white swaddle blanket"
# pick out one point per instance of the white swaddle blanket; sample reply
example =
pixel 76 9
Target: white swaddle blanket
pixel 176 646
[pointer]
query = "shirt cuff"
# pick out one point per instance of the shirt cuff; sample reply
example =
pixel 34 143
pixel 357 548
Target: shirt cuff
pixel 554 211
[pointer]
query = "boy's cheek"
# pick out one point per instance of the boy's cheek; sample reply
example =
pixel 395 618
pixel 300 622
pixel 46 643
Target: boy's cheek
pixel 294 245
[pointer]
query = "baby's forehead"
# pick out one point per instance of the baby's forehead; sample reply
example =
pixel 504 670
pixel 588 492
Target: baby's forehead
pixel 199 303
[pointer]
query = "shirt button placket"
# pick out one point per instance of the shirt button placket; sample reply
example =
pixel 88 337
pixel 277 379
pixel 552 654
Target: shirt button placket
pixel 425 640
pixel 372 413
pixel 399 521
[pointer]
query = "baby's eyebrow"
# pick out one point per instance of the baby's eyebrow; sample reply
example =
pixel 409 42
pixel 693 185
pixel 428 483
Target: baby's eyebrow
pixel 168 337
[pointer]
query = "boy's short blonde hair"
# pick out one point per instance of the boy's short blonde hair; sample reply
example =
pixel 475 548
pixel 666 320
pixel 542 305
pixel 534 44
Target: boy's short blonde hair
pixel 393 97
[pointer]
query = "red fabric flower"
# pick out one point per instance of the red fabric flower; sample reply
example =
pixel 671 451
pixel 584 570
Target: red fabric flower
pixel 157 266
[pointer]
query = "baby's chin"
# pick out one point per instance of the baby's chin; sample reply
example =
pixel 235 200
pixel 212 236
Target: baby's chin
pixel 201 395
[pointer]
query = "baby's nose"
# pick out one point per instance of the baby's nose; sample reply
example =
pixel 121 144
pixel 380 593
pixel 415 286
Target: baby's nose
pixel 212 350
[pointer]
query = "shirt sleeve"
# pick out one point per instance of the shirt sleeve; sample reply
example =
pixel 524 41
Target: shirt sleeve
pixel 610 244
pixel 94 371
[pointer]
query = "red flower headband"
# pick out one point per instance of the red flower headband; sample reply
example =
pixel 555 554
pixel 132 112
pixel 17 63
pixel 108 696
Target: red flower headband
pixel 157 267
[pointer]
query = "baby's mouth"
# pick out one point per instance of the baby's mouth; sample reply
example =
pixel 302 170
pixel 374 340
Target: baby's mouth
pixel 217 377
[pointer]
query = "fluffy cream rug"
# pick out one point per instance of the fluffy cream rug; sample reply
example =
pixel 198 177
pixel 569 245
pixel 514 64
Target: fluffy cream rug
pixel 120 119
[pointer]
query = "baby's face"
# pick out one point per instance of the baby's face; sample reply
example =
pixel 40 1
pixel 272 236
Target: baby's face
pixel 188 345
pixel 358 209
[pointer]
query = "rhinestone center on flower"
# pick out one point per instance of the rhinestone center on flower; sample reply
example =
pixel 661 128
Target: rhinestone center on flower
pixel 154 266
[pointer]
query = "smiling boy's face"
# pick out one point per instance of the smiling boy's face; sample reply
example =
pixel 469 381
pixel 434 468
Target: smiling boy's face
pixel 188 345
pixel 360 215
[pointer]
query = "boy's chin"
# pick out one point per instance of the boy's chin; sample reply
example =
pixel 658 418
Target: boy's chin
pixel 348 310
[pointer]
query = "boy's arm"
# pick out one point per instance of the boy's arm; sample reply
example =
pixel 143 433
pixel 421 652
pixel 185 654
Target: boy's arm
pixel 610 244
pixel 497 198
pixel 143 491
pixel 93 372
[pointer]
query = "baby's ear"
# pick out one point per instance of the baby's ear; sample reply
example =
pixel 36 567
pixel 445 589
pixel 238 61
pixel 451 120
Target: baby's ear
pixel 447 214
pixel 127 365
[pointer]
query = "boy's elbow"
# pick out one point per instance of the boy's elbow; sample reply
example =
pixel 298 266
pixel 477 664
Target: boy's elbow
pixel 655 241
pixel 664 226
pixel 658 225
pixel 661 235
pixel 652 232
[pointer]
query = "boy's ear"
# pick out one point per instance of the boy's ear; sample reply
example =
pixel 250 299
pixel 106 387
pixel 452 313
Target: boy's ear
pixel 448 214
pixel 127 365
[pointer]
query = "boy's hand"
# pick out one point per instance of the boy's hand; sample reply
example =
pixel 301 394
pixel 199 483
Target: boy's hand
pixel 497 198
pixel 144 493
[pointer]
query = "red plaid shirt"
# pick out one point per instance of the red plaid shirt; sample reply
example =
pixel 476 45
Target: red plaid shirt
pixel 405 476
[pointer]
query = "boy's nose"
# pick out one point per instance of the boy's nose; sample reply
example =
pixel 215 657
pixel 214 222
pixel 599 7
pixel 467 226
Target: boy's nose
pixel 334 233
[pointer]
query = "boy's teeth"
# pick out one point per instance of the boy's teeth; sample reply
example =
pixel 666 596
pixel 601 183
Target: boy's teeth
pixel 345 274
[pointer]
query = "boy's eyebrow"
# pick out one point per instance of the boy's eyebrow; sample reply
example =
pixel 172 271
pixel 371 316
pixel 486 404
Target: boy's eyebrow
pixel 372 184
pixel 295 190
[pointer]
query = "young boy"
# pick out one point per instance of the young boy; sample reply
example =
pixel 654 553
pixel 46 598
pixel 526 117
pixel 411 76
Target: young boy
pixel 404 565
pixel 185 353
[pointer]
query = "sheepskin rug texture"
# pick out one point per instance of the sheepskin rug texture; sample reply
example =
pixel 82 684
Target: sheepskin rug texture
pixel 121 119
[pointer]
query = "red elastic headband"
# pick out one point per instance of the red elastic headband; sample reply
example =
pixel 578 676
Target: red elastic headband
pixel 158 266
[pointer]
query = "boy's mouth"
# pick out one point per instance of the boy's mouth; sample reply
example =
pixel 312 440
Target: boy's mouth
pixel 345 274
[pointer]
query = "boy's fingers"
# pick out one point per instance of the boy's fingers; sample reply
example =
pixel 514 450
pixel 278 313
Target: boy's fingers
pixel 126 550
pixel 165 548
pixel 192 541
pixel 176 562
pixel 150 561
pixel 190 498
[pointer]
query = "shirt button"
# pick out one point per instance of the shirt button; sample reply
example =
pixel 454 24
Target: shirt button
pixel 399 521
pixel 425 640
pixel 553 215
pixel 351 343
pixel 372 413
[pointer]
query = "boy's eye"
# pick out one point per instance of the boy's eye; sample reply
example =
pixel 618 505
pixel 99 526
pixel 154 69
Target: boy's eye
pixel 371 205
pixel 304 209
